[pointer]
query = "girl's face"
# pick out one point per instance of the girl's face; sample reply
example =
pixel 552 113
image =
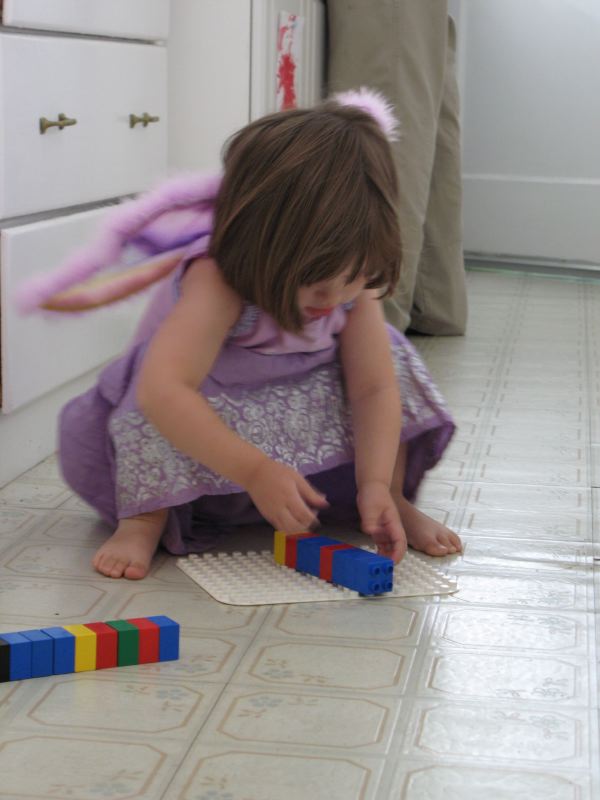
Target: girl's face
pixel 319 299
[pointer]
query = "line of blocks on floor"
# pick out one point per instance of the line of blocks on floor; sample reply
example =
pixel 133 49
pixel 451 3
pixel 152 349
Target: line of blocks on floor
pixel 335 562
pixel 91 646
pixel 145 640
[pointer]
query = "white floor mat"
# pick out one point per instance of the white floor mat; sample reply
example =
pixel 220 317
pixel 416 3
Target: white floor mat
pixel 253 578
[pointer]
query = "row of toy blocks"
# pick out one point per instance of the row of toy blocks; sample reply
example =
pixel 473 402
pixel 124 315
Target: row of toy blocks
pixel 95 645
pixel 335 561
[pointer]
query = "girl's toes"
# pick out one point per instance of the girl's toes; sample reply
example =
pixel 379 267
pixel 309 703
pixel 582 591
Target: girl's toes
pixel 104 563
pixel 452 542
pixel 110 566
pixel 437 548
pixel 118 569
pixel 135 571
pixel 447 543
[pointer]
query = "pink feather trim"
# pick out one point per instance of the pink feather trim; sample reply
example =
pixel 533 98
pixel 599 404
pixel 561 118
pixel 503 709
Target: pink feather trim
pixel 375 104
pixel 195 191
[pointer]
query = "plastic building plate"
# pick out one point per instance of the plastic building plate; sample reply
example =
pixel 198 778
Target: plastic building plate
pixel 253 578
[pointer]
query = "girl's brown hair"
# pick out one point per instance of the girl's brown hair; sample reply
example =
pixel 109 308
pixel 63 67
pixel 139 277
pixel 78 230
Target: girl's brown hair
pixel 306 195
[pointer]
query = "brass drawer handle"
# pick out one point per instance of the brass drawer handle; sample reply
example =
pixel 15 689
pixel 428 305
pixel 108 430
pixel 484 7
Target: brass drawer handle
pixel 62 122
pixel 144 119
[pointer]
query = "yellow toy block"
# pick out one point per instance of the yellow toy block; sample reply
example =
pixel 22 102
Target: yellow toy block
pixel 279 547
pixel 85 647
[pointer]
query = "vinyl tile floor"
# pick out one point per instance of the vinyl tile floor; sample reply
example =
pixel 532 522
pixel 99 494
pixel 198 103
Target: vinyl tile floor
pixel 488 693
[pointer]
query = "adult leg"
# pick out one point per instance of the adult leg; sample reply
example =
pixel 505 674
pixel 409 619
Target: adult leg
pixel 399 48
pixel 440 296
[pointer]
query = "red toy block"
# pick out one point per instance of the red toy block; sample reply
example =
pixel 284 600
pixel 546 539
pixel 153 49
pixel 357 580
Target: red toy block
pixel 149 640
pixel 326 560
pixel 107 641
pixel 291 547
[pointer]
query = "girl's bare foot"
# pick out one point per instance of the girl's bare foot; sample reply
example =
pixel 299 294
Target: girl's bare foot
pixel 128 553
pixel 424 533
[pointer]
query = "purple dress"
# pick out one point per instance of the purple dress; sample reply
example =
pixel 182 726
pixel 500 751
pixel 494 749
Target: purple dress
pixel 282 392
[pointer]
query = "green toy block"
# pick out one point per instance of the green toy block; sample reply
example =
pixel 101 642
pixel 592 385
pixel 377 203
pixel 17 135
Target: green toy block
pixel 129 642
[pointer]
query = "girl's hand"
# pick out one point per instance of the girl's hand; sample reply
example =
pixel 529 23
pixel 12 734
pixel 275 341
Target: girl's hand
pixel 381 520
pixel 284 497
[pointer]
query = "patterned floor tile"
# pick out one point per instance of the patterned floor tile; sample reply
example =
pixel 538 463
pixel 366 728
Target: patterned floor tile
pixel 510 734
pixel 303 722
pixel 470 781
pixel 239 771
pixel 85 767
pixel 344 666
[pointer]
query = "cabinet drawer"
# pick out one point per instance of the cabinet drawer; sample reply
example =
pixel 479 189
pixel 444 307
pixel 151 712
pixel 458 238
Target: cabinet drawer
pixel 134 19
pixel 40 352
pixel 97 83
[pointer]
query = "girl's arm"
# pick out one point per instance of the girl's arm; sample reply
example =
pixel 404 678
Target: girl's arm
pixel 178 359
pixel 372 390
pixel 374 399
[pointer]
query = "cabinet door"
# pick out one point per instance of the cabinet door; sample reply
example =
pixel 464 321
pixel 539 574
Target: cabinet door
pixel 531 130
pixel 39 353
pixel 134 19
pixel 97 83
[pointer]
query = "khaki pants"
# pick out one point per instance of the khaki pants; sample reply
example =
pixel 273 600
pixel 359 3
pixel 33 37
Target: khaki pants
pixel 406 50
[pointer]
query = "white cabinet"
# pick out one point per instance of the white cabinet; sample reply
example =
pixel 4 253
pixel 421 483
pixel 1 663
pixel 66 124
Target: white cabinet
pixel 111 96
pixel 42 352
pixel 98 62
pixel 97 86
pixel 132 19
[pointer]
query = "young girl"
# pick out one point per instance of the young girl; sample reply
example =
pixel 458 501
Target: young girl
pixel 263 382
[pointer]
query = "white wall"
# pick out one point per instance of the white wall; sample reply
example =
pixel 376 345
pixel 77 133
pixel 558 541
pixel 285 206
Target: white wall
pixel 222 70
pixel 531 127
pixel 209 79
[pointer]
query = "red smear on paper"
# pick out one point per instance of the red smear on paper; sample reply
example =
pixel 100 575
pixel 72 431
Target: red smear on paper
pixel 285 77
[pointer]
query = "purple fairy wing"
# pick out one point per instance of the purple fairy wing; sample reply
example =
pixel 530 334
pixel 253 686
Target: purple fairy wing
pixel 139 244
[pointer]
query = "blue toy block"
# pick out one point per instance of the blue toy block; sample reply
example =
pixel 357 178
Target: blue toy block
pixel 168 647
pixel 19 656
pixel 362 571
pixel 371 574
pixel 64 650
pixel 308 553
pixel 4 661
pixel 42 653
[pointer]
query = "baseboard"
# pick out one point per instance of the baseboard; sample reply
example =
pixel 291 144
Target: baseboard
pixel 28 435
pixel 533 266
